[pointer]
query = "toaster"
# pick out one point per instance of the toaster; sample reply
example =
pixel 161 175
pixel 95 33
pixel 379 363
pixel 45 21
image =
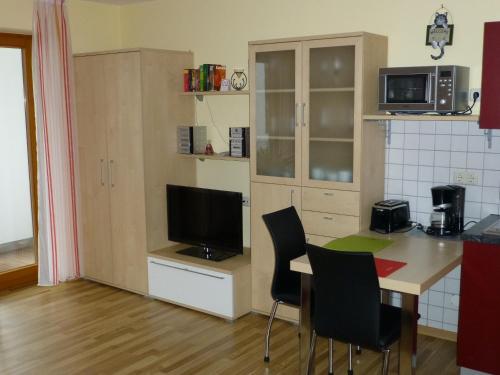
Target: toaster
pixel 390 215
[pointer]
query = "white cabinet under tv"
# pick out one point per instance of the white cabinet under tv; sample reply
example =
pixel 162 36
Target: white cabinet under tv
pixel 218 288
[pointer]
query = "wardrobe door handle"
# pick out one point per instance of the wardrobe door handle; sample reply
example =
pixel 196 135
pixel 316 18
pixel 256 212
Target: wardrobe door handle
pixel 296 114
pixel 102 178
pixel 303 115
pixel 291 197
pixel 111 163
pixel 327 218
pixel 328 194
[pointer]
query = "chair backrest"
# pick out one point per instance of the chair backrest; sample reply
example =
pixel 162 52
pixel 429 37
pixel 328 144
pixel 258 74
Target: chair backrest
pixel 347 295
pixel 289 242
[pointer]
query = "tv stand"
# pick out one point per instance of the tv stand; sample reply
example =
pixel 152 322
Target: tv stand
pixel 220 288
pixel 207 253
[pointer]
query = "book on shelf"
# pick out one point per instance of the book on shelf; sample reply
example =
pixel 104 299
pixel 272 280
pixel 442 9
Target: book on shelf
pixel 207 77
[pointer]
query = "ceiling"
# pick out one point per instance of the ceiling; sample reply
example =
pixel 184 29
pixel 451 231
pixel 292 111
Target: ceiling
pixel 119 2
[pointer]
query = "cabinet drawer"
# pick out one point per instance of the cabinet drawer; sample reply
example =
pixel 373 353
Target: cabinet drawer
pixel 330 225
pixel 191 286
pixel 333 201
pixel 314 239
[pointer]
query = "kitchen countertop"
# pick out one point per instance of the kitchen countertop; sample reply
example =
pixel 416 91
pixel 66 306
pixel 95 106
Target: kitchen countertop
pixel 475 233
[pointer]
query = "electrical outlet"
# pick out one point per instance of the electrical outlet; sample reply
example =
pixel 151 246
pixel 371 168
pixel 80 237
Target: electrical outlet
pixel 466 178
pixel 246 201
pixel 471 95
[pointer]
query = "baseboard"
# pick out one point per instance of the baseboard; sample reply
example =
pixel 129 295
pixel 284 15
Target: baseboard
pixel 19 278
pixel 438 333
pixel 16 245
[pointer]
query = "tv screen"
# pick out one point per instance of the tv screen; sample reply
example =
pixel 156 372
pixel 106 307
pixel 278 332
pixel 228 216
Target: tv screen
pixel 205 217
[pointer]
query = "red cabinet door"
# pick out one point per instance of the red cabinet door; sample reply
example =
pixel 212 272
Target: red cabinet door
pixel 489 117
pixel 479 315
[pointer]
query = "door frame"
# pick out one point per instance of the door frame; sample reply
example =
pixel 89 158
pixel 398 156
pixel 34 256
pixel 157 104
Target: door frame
pixel 27 275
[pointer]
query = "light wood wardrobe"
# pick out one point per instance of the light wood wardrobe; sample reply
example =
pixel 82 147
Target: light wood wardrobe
pixel 128 108
pixel 309 145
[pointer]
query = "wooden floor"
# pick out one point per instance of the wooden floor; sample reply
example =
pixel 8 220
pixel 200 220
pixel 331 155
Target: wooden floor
pixel 87 328
pixel 16 258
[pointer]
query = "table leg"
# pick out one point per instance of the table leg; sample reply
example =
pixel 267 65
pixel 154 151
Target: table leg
pixel 305 328
pixel 408 341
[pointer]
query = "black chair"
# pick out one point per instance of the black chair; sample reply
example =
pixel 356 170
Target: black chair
pixel 289 242
pixel 347 304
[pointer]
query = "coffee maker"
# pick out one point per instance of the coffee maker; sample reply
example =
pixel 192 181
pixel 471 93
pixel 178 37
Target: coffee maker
pixel 447 218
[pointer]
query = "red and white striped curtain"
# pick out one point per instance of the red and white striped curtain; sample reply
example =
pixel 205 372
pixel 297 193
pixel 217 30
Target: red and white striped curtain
pixel 58 237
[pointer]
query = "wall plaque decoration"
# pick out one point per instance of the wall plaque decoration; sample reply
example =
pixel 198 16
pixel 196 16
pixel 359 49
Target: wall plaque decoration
pixel 440 31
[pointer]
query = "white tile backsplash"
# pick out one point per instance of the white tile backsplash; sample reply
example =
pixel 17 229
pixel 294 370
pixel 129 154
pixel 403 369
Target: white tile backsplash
pixel 458 159
pixel 427 142
pixel 475 160
pixel 458 143
pixel 492 161
pixel 427 127
pixel 491 178
pixel 443 127
pixel 442 158
pixel 443 142
pixel 426 157
pixel 475 143
pixel 491 195
pixel 460 127
pixel 411 141
pixel 425 173
pixel 426 154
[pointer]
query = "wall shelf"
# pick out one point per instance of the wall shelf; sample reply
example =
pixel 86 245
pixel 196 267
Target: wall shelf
pixel 202 157
pixel 421 117
pixel 201 94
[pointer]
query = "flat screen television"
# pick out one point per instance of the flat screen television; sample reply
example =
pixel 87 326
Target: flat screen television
pixel 211 220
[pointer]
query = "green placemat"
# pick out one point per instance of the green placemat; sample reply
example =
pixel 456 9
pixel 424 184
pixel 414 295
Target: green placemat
pixel 358 243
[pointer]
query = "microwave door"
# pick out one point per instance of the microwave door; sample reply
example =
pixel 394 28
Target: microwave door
pixel 409 92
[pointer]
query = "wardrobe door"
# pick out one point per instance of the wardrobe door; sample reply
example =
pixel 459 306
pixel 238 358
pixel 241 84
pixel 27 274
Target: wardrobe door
pixel 122 74
pixel 268 198
pixel 92 97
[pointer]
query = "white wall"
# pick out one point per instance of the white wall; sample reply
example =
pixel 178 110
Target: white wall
pixel 15 196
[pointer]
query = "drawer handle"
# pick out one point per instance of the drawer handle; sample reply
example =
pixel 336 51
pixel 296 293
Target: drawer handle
pixel 327 218
pixel 187 270
pixel 328 194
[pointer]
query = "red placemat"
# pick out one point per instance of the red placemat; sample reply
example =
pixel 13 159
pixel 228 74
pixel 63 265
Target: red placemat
pixel 385 266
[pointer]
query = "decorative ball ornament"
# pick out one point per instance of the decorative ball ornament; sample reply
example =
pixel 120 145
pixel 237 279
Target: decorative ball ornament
pixel 238 79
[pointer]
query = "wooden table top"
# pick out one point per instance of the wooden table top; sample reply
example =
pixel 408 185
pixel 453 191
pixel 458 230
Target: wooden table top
pixel 428 260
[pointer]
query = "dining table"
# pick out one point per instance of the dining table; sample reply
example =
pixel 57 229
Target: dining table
pixel 427 259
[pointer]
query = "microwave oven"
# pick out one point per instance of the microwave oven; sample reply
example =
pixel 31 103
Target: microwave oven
pixel 419 89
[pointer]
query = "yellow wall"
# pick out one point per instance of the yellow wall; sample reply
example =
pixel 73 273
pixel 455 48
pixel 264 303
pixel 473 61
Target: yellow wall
pixel 93 26
pixel 218 31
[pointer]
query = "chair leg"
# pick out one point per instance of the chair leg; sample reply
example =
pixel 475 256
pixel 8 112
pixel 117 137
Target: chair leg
pixel 358 349
pixel 350 371
pixel 312 350
pixel 268 333
pixel 330 356
pixel 385 365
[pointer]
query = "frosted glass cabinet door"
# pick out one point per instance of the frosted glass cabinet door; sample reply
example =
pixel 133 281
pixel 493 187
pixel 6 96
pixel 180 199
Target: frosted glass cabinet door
pixel 331 103
pixel 275 105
